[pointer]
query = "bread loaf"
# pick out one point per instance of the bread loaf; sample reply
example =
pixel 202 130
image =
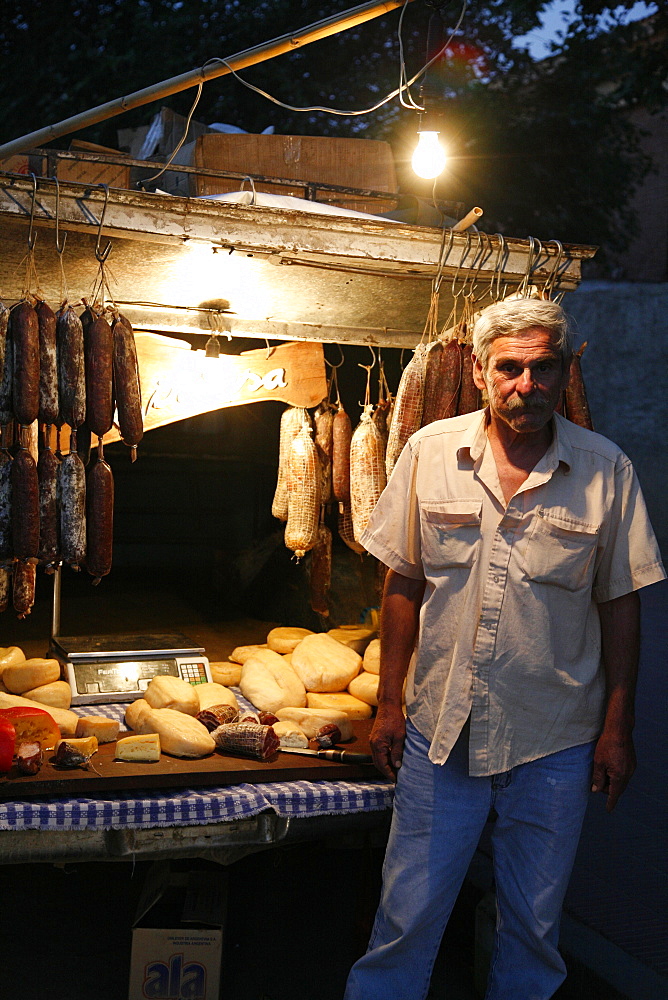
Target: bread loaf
pixel 270 684
pixel 20 677
pixel 312 719
pixel 342 700
pixel 166 691
pixel 325 664
pixel 215 694
pixel 180 734
pixel 290 734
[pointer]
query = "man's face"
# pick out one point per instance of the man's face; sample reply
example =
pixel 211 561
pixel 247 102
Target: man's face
pixel 524 379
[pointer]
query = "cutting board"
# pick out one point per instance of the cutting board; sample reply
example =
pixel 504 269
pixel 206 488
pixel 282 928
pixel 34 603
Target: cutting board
pixel 104 774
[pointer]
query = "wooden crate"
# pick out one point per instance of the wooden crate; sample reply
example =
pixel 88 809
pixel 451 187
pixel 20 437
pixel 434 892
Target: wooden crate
pixel 88 172
pixel 358 163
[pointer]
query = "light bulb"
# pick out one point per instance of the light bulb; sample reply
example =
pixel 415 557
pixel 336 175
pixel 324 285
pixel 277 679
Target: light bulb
pixel 429 157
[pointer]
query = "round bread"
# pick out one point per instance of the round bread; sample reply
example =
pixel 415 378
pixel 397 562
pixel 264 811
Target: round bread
pixel 270 684
pixel 365 687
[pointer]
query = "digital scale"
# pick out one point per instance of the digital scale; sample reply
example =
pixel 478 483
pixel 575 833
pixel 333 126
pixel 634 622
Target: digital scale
pixel 118 668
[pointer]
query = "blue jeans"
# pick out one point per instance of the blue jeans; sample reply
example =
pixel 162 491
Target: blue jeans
pixel 439 814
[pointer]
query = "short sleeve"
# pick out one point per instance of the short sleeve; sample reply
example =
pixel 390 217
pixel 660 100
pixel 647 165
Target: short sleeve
pixel 392 534
pixel 628 556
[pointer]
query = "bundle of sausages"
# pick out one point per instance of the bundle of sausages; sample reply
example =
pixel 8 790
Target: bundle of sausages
pixel 56 370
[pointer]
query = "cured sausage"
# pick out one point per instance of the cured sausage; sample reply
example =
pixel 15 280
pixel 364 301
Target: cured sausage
pixel 342 433
pixel 323 421
pixel 83 442
pixel 5 583
pixel 5 505
pixel 25 382
pixel 320 571
pixel 469 394
pixel 25 505
pixel 71 498
pixel 98 354
pixel 23 587
pixel 577 406
pixel 292 420
pixel 345 526
pixel 71 370
pixel 48 368
pixel 246 739
pixel 407 413
pixel 301 528
pixel 6 368
pixel 127 388
pixel 367 471
pixel 99 517
pixel 443 377
pixel 47 476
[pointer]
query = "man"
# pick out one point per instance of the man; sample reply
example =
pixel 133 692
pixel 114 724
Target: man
pixel 516 542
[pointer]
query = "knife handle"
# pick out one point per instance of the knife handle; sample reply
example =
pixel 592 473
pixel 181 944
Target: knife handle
pixel 346 756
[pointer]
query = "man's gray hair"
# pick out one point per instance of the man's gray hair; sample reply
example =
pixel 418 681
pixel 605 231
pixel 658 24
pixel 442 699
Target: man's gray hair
pixel 509 317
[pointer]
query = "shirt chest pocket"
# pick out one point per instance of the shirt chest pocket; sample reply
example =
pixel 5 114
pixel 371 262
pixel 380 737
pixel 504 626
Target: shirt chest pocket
pixel 561 552
pixel 450 533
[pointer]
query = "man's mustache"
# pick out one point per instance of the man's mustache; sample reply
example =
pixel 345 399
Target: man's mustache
pixel 529 405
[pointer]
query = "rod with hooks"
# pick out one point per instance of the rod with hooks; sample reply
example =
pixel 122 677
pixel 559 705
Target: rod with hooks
pixel 59 248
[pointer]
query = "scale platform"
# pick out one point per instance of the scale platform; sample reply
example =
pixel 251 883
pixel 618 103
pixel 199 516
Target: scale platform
pixel 118 668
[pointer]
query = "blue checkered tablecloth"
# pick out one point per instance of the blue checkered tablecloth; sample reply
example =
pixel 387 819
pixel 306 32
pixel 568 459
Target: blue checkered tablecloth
pixel 192 806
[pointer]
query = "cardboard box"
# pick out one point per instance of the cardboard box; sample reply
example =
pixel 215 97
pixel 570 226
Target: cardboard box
pixel 177 936
pixel 366 164
pixel 89 172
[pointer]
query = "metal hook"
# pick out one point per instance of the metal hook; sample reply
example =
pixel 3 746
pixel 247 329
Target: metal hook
pixel 102 255
pixel 474 272
pixel 548 287
pixel 456 294
pixel 32 236
pixel 59 248
pixel 331 365
pixel 533 257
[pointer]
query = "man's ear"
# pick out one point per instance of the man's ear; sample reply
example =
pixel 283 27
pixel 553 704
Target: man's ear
pixel 478 379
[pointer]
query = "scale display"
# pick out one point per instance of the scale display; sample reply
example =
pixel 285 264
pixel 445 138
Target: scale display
pixel 119 668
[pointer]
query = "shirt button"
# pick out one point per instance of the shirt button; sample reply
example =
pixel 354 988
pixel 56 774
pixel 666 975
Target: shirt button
pixel 497 579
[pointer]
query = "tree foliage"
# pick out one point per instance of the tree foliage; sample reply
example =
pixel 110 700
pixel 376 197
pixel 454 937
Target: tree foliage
pixel 547 149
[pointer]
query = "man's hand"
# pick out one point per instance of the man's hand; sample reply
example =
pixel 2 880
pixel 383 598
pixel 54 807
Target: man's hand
pixel 387 740
pixel 614 763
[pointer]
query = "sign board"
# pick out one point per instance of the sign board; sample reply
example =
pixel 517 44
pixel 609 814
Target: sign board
pixel 177 382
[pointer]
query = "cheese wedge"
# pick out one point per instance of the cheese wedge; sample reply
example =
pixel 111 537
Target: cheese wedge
pixel 86 745
pixel 139 748
pixel 104 730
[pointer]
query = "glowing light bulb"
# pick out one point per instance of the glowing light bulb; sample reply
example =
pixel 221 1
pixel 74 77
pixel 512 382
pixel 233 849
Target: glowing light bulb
pixel 429 157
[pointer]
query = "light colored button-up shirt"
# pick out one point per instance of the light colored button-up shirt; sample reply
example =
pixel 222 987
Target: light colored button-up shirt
pixel 509 630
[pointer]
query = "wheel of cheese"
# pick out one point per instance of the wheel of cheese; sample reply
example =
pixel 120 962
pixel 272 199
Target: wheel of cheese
pixel 64 719
pixel 365 687
pixel 341 700
pixel 284 638
pixel 371 660
pixel 226 673
pixel 270 684
pixel 166 691
pixel 215 694
pixel 241 653
pixel 20 677
pixel 355 636
pixel 58 694
pixel 9 655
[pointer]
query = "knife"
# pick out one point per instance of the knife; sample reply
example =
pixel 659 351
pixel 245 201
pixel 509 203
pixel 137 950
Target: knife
pixel 343 756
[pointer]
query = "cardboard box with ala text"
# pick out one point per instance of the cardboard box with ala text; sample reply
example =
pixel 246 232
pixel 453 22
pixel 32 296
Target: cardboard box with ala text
pixel 177 936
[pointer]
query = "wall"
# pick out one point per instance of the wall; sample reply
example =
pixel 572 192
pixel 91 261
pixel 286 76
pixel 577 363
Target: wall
pixel 625 367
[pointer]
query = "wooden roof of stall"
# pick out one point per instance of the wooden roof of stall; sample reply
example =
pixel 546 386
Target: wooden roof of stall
pixel 189 265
